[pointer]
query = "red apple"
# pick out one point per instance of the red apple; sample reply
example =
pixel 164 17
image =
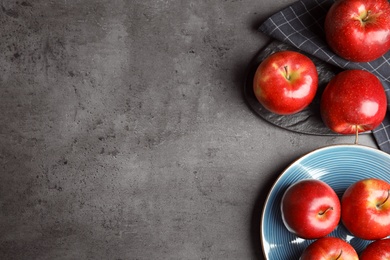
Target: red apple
pixel 285 82
pixel 353 101
pixel 365 209
pixel 359 30
pixel 377 250
pixel 310 209
pixel 329 248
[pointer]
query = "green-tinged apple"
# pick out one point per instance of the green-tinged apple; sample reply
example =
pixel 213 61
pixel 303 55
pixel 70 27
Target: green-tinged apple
pixel 353 101
pixel 377 250
pixel 310 209
pixel 359 30
pixel 285 82
pixel 329 248
pixel 365 209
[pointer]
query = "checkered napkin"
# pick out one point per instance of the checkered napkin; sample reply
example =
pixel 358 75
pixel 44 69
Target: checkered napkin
pixel 301 25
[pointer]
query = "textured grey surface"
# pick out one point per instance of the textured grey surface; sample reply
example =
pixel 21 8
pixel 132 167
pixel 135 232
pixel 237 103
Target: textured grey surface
pixel 125 134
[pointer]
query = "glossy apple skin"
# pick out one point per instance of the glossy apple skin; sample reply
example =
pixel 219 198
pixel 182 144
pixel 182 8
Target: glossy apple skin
pixel 310 209
pixel 365 209
pixel 285 82
pixel 353 38
pixel 353 98
pixel 377 250
pixel 329 248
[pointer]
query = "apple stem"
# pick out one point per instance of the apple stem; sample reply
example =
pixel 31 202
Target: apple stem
pixel 286 71
pixel 357 135
pixel 387 198
pixel 341 252
pixel 323 212
pixel 366 17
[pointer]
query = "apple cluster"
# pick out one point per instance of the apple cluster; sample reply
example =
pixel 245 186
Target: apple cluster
pixel 311 209
pixel 354 100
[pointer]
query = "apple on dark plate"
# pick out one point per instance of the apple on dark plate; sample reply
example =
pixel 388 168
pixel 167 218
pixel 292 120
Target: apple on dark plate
pixel 354 101
pixel 285 82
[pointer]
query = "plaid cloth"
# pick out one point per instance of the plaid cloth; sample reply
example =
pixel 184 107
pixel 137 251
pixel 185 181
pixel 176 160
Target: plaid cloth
pixel 302 26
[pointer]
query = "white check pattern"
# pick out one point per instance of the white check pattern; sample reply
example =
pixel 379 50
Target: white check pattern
pixel 301 25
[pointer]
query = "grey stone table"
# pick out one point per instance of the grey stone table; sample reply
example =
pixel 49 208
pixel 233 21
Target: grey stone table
pixel 124 132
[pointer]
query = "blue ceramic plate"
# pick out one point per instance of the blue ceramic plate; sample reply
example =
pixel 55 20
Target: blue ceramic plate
pixel 339 166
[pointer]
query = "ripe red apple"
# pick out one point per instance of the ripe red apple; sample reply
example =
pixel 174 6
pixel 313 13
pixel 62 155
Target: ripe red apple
pixel 310 209
pixel 359 30
pixel 365 209
pixel 285 82
pixel 353 101
pixel 329 248
pixel 377 250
